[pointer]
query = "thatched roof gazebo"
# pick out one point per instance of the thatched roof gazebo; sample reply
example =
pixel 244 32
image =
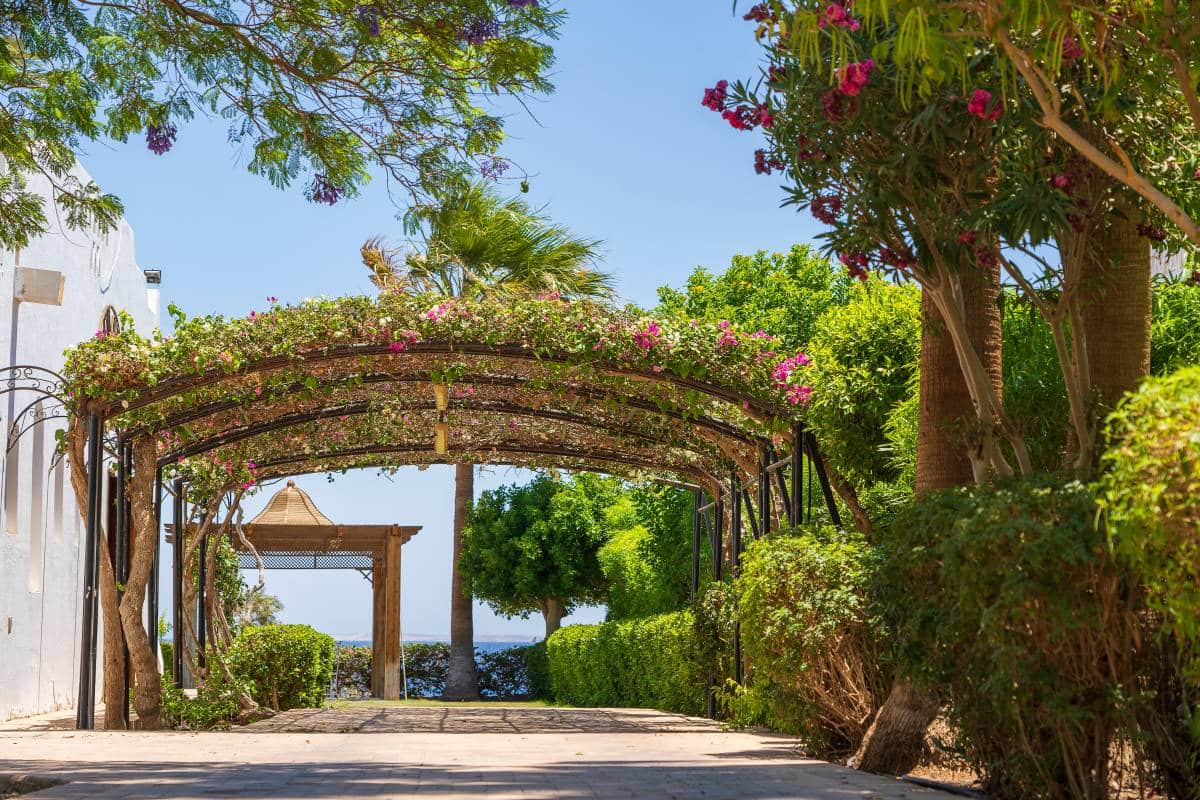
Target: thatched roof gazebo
pixel 292 533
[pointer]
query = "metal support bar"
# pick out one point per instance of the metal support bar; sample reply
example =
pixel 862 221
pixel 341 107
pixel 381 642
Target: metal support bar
pixel 826 489
pixel 697 497
pixel 85 717
pixel 718 540
pixel 750 513
pixel 735 534
pixel 797 510
pixel 764 495
pixel 781 484
pixel 177 585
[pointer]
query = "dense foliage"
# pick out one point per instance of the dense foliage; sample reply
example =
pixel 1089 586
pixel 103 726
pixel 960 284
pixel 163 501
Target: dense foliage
pixel 534 547
pixel 781 293
pixel 327 89
pixel 646 662
pixel 1174 327
pixel 816 667
pixel 285 666
pixel 1007 600
pixel 647 559
pixel 1151 492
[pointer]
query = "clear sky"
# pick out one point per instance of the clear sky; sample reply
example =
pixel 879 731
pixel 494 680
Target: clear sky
pixel 622 152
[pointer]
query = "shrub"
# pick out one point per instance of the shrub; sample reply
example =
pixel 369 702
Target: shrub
pixel 352 670
pixel 641 662
pixel 214 706
pixel 168 658
pixel 1151 491
pixel 285 666
pixel 1006 597
pixel 537 670
pixel 814 660
pixel 1174 327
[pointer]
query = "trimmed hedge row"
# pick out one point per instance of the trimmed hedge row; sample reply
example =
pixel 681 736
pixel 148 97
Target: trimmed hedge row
pixel 285 666
pixel 647 662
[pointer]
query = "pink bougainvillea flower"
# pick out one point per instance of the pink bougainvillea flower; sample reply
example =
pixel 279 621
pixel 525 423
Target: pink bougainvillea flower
pixel 727 340
pixel 437 312
pixel 784 369
pixel 647 337
pixel 981 105
pixel 799 395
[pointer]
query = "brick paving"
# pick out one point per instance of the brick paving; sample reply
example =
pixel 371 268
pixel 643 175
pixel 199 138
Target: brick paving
pixel 406 752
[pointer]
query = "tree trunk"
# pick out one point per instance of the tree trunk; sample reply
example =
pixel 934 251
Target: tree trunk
pixel 113 670
pixel 552 612
pixel 896 739
pixel 1115 293
pixel 147 688
pixel 460 679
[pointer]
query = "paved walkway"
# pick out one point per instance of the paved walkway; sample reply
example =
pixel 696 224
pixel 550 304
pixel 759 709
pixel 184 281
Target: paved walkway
pixel 441 753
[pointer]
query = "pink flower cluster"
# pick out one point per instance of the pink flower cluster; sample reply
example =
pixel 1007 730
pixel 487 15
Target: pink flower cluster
pixel 856 264
pixel 714 98
pixel 854 77
pixel 437 312
pixel 648 336
pixel 836 14
pixel 759 13
pixel 826 207
pixel 784 369
pixel 1071 49
pixel 837 107
pixel 981 105
pixel 1154 233
pixel 764 165
pixel 726 339
pixel 405 339
pixel 799 395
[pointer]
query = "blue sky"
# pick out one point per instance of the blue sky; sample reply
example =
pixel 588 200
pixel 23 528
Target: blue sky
pixel 621 152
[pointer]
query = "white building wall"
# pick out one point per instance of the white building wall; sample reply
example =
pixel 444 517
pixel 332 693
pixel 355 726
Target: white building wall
pixel 40 529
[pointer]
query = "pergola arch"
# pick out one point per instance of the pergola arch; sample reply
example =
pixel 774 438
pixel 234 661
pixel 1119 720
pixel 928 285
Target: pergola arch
pixel 386 382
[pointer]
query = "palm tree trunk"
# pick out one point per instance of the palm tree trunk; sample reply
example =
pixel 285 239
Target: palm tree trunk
pixel 1115 288
pixel 460 679
pixel 896 738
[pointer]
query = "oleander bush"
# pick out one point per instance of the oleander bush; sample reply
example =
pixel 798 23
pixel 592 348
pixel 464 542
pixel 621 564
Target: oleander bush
pixel 815 665
pixel 285 666
pixel 1008 600
pixel 648 662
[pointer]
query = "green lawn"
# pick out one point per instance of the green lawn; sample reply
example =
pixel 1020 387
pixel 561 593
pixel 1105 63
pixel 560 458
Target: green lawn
pixel 433 703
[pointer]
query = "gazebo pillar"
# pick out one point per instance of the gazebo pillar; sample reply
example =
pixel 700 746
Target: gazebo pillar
pixel 392 690
pixel 378 582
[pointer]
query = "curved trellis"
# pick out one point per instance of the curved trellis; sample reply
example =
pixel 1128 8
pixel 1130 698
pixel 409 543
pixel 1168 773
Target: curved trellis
pixel 331 385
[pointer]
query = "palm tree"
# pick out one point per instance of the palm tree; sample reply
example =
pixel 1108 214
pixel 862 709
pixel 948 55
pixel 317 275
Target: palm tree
pixel 473 244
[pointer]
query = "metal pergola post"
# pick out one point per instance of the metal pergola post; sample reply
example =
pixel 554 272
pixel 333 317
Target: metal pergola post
pixel 85 710
pixel 764 494
pixel 797 510
pixel 177 585
pixel 718 539
pixel 697 501
pixel 735 537
pixel 818 463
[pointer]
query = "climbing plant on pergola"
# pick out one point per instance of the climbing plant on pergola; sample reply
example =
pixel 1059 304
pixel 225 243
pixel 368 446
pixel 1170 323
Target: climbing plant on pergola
pixel 395 380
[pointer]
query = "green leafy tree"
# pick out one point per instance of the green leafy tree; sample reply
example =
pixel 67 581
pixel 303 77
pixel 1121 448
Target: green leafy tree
pixel 258 608
pixel 780 293
pixel 647 558
pixel 323 89
pixel 534 547
pixel 475 243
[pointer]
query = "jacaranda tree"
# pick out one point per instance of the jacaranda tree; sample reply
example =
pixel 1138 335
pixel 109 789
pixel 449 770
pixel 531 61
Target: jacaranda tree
pixel 319 91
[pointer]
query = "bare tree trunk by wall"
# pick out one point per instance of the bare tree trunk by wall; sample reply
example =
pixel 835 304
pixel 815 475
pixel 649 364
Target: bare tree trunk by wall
pixel 896 738
pixel 113 690
pixel 552 612
pixel 147 689
pixel 460 678
pixel 1116 307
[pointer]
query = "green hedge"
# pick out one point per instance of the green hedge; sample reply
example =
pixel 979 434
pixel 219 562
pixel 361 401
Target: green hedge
pixel 285 666
pixel 647 662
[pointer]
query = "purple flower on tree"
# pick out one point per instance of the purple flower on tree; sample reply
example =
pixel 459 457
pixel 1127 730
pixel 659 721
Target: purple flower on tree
pixel 322 191
pixel 159 138
pixel 478 31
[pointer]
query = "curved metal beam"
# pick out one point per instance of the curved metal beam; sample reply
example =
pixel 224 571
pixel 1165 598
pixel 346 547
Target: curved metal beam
pixel 365 407
pixel 174 386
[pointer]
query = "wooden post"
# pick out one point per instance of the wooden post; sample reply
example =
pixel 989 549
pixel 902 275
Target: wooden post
pixel 392 690
pixel 378 581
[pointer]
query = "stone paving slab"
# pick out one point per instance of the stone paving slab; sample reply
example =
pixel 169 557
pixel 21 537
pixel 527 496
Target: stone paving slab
pixel 632 761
